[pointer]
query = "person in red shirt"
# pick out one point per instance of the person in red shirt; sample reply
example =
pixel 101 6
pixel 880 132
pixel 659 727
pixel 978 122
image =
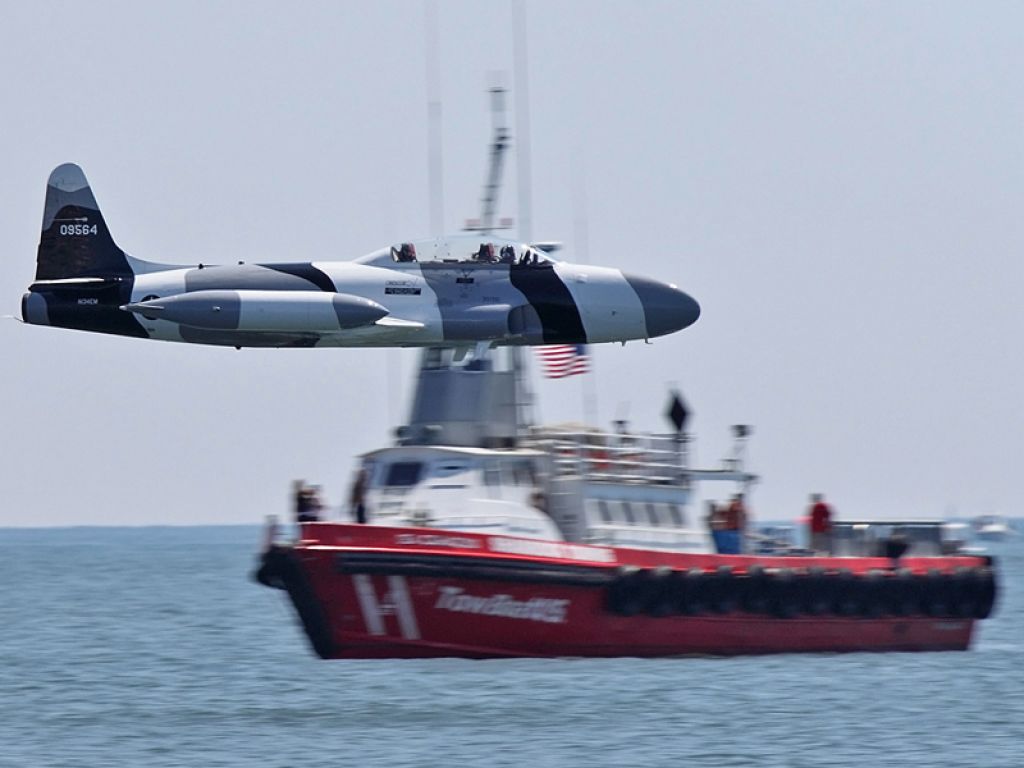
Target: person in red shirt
pixel 820 520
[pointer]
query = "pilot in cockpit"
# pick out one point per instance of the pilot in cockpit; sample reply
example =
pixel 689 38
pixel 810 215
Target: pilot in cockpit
pixel 529 257
pixel 405 253
pixel 486 253
pixel 508 255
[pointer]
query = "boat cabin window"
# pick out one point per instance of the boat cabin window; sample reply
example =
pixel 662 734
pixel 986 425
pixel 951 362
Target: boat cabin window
pixel 602 508
pixel 449 468
pixel 627 510
pixel 492 474
pixel 652 514
pixel 677 515
pixel 403 473
pixel 517 472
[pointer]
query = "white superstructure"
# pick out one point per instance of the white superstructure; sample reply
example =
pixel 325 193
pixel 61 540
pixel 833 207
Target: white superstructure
pixel 467 461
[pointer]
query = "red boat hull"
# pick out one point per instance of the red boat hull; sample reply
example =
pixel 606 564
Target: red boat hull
pixel 373 592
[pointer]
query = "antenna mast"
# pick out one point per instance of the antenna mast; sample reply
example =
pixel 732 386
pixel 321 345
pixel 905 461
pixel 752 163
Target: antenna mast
pixel 434 143
pixel 499 144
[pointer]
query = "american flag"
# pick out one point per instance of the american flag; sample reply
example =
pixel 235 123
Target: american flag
pixel 561 360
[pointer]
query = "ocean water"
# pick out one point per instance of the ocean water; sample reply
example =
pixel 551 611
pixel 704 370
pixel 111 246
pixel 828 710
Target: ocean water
pixel 152 647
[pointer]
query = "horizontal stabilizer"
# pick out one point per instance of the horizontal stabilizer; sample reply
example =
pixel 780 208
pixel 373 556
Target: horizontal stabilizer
pixel 75 283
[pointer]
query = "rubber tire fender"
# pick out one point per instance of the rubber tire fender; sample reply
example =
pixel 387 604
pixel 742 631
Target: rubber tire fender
pixel 987 592
pixel 872 588
pixel 783 594
pixel 936 593
pixel 723 595
pixel 693 596
pixel 963 592
pixel 845 593
pixel 626 595
pixel 661 591
pixel 753 590
pixel 900 597
pixel 813 592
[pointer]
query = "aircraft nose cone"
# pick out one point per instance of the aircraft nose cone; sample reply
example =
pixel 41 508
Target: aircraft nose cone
pixel 666 308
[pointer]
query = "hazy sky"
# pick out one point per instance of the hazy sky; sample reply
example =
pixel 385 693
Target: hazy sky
pixel 840 185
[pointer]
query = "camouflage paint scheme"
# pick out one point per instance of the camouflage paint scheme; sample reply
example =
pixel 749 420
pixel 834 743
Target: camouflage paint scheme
pixel 454 291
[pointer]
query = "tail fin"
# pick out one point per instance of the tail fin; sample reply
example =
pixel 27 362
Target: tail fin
pixel 75 241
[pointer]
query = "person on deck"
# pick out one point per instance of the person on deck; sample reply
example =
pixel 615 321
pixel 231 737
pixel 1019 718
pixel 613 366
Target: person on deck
pixel 820 522
pixel 307 503
pixel 736 524
pixel 357 497
pixel 716 524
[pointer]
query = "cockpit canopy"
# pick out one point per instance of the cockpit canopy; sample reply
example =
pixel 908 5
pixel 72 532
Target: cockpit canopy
pixel 460 249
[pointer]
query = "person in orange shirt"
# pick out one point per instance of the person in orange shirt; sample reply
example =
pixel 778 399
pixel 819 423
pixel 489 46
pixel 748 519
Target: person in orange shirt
pixel 734 525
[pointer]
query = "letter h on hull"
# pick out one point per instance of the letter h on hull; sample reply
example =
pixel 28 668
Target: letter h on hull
pixel 393 607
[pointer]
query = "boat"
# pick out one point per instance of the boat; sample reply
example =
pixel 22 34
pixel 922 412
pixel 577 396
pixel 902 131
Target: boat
pixel 991 528
pixel 489 536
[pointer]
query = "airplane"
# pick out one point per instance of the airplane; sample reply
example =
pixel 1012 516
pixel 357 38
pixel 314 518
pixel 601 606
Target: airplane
pixel 465 289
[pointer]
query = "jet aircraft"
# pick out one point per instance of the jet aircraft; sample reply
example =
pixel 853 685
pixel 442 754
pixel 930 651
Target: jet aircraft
pixel 460 290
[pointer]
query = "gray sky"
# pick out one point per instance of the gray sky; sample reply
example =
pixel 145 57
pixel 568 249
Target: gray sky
pixel 839 184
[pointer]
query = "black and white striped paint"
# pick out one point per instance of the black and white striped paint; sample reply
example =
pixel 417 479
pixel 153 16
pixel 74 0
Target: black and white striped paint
pixel 454 292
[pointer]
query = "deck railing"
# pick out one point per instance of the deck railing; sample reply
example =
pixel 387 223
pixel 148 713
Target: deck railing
pixel 646 537
pixel 613 456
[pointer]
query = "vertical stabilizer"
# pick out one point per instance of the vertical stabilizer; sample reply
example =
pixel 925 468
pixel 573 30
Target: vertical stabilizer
pixel 75 241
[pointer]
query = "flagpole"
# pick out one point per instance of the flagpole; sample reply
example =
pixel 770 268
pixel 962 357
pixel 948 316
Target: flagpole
pixel 588 384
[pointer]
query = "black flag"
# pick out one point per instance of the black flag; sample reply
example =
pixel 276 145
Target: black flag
pixel 677 411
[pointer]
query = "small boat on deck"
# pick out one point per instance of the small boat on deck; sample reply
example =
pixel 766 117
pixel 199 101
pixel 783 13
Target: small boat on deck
pixel 487 536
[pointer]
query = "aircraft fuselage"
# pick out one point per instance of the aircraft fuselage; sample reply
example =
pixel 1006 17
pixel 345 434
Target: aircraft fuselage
pixel 460 290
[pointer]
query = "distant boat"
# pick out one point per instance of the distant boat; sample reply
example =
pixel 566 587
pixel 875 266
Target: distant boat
pixel 991 528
